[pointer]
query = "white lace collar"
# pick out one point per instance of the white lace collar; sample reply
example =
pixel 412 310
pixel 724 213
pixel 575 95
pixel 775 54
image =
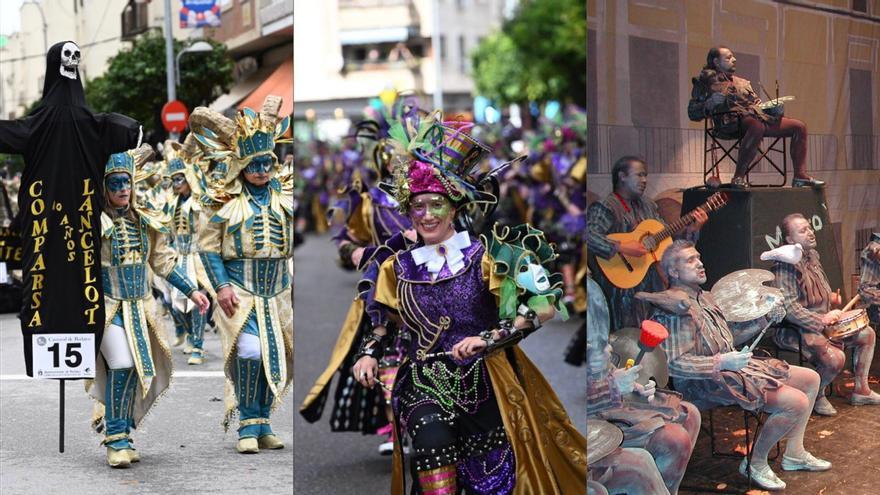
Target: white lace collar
pixel 448 252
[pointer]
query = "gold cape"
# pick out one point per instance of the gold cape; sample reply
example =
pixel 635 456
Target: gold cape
pixel 550 454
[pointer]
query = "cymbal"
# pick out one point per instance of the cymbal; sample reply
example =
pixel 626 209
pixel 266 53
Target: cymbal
pixel 603 438
pixel 625 344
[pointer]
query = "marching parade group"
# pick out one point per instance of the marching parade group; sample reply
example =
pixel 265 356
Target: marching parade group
pixel 442 226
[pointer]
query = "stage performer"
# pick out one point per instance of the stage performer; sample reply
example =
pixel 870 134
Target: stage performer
pixel 245 242
pixel 134 366
pixel 710 372
pixel 665 425
pixel 869 282
pixel 182 209
pixel 808 301
pixel 622 211
pixel 733 106
pixel 374 228
pixel 465 411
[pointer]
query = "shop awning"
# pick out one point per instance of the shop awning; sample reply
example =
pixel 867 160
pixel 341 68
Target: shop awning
pixel 280 83
pixel 241 89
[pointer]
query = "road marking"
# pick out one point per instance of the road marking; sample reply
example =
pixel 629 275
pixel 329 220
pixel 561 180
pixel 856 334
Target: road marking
pixel 177 374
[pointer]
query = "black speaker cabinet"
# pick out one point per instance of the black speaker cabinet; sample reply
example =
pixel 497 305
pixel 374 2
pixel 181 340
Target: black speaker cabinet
pixel 751 223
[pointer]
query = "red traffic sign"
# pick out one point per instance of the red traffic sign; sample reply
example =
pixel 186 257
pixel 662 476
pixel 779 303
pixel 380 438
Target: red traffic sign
pixel 175 116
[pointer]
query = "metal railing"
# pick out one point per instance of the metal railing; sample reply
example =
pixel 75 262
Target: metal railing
pixel 672 150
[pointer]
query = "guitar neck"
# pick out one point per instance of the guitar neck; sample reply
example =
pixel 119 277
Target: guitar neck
pixel 675 227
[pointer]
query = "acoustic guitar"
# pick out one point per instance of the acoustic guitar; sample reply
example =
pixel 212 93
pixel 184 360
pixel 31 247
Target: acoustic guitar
pixel 627 272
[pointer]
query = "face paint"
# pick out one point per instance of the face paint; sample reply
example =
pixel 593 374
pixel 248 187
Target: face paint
pixel 260 165
pixel 178 180
pixel 435 204
pixel 116 183
pixel 532 277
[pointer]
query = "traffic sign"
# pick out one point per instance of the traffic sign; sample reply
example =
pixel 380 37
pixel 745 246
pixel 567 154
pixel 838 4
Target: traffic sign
pixel 175 116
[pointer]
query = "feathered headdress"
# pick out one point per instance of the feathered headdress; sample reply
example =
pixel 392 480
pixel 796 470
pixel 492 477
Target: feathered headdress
pixel 435 156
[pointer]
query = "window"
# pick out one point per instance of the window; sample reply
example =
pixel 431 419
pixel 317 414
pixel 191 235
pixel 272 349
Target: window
pixel 462 55
pixel 860 6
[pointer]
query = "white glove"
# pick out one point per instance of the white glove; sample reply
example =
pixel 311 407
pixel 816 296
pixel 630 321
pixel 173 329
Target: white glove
pixel 625 379
pixel 734 360
pixel 789 253
pixel 777 312
pixel 646 390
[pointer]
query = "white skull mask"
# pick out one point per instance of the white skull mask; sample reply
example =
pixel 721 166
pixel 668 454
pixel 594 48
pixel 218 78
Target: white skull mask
pixel 70 57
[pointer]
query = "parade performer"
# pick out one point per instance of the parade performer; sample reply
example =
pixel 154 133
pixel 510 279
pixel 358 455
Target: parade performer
pixel 134 366
pixel 869 281
pixel 466 412
pixel 559 199
pixel 710 372
pixel 622 211
pixel 182 208
pixel 374 229
pixel 245 244
pixel 657 421
pixel 733 105
pixel 808 301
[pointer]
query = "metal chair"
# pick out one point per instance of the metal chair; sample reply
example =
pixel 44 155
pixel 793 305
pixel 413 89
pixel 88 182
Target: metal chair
pixel 714 141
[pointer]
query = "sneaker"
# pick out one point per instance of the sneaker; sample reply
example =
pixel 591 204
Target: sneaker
pixel 763 477
pixel 387 448
pixel 823 407
pixel 872 399
pixel 806 463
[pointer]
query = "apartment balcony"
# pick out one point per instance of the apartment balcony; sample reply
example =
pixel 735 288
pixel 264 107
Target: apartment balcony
pixel 377 15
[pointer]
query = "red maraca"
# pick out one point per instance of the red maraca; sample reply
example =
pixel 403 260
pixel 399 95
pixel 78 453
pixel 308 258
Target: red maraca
pixel 653 334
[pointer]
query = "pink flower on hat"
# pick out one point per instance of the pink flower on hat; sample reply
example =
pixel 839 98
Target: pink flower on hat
pixel 422 179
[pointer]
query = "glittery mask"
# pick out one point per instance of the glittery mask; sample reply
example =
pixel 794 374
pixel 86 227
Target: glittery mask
pixel 260 165
pixel 116 183
pixel 437 205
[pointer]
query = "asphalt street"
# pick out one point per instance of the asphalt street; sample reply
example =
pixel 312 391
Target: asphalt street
pixel 348 463
pixel 182 445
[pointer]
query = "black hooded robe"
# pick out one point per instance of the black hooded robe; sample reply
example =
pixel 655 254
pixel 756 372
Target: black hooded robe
pixel 65 147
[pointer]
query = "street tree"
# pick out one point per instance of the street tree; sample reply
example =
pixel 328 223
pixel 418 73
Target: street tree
pixel 541 50
pixel 135 82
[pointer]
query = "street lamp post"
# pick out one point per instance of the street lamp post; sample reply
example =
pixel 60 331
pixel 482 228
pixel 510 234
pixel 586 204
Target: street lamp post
pixel 45 26
pixel 197 47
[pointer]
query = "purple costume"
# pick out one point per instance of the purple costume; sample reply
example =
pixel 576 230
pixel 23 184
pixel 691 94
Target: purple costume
pixel 448 407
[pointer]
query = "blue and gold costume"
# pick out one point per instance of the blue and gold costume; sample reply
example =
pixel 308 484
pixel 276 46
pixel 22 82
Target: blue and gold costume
pixel 133 238
pixel 246 242
pixel 182 211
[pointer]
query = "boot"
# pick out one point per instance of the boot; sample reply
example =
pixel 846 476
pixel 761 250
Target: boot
pixel 247 390
pixel 118 401
pixel 266 439
pixel 197 332
pixel 179 327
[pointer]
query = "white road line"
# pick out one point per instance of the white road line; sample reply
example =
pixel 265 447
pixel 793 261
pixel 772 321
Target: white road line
pixel 177 374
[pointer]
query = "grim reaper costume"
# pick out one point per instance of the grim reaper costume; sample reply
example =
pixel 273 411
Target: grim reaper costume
pixel 65 146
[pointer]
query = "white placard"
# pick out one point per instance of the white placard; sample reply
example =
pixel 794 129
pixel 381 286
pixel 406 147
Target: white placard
pixel 64 355
pixel 4 276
